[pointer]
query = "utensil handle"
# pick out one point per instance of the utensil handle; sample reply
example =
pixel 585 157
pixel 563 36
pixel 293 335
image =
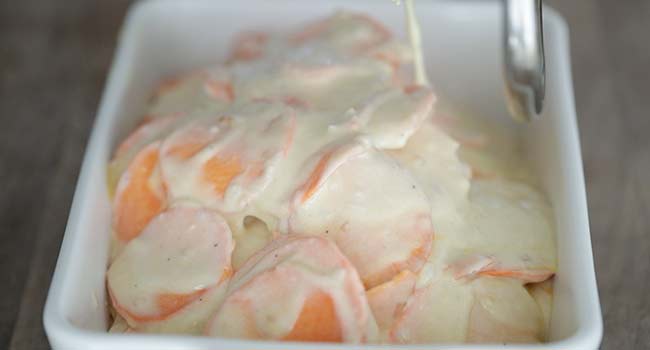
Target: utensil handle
pixel 524 65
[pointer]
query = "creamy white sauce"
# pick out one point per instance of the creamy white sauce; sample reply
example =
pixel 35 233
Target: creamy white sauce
pixel 157 262
pixel 267 293
pixel 322 135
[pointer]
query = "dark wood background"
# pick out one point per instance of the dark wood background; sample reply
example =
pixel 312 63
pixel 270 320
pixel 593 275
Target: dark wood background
pixel 54 57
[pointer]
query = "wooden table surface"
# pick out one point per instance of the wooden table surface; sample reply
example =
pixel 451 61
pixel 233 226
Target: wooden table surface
pixel 54 57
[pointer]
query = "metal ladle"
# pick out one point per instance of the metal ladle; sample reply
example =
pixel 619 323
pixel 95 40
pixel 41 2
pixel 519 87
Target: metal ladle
pixel 524 66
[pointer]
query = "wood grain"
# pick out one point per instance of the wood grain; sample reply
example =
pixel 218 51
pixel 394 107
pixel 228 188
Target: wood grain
pixel 54 57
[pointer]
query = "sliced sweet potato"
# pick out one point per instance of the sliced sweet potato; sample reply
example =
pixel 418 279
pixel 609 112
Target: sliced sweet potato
pixel 139 196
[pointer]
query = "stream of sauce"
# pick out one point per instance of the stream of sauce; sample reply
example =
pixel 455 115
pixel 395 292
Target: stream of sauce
pixel 415 39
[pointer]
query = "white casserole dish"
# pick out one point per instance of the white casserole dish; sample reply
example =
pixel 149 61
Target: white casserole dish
pixel 462 44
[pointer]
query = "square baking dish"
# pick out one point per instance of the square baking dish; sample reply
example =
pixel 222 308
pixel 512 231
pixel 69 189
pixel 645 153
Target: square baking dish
pixel 462 42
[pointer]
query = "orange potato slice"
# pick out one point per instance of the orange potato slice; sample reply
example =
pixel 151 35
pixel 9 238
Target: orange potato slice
pixel 152 129
pixel 381 223
pixel 437 312
pixel 206 90
pixel 395 119
pixel 317 85
pixel 387 299
pixel 289 100
pixel 396 55
pixel 220 90
pixel 209 156
pixel 178 257
pixel 317 321
pixel 480 265
pixel 521 247
pixel 390 117
pixel 470 266
pixel 431 156
pixel 392 61
pixel 527 276
pixel 297 288
pixel 191 318
pixel 168 303
pixel 349 31
pixel 483 310
pixel 186 142
pixel 215 84
pixel 316 177
pixel 167 85
pixel 139 196
pixel 248 46
pixel 219 171
pixel 504 312
pixel 471 137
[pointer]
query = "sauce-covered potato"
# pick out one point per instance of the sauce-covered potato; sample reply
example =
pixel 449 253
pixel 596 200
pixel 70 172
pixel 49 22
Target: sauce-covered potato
pixel 311 189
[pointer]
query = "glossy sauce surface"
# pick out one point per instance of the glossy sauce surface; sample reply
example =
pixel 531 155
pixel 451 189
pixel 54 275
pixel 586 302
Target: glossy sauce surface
pixel 320 168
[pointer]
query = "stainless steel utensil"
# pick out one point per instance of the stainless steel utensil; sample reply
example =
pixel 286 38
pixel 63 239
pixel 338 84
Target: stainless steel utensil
pixel 524 66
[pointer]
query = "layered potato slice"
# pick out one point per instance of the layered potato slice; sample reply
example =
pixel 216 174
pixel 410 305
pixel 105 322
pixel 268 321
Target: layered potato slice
pixel 299 288
pixel 181 255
